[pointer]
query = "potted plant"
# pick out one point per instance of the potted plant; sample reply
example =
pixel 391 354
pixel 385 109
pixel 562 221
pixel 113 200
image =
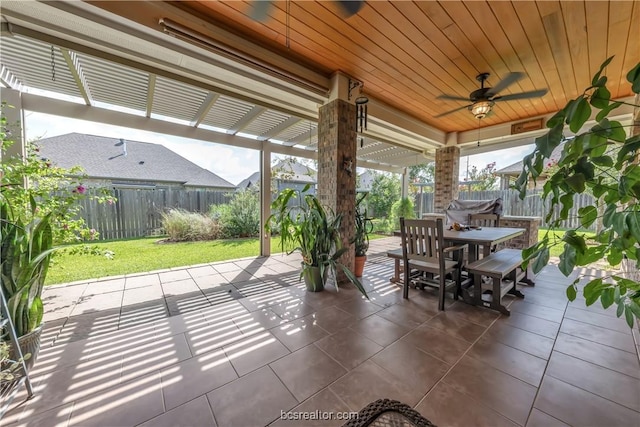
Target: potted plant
pixel 38 213
pixel 364 226
pixel 312 230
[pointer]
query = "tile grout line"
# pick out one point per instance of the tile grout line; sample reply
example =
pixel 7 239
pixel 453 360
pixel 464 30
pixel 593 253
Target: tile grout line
pixel 546 366
pixel 456 363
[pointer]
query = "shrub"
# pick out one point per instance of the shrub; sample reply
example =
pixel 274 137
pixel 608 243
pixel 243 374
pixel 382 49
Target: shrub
pixel 241 216
pixel 181 226
pixel 401 208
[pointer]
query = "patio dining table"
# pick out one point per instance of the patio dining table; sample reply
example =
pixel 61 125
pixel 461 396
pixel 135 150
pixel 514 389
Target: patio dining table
pixel 475 238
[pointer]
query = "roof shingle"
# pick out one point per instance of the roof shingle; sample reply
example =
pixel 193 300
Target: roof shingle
pixel 116 159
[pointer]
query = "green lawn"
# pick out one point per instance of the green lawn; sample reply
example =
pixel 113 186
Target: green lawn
pixel 146 254
pixel 557 248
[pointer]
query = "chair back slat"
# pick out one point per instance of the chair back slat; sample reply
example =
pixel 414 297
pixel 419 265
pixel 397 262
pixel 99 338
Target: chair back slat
pixel 484 220
pixel 422 240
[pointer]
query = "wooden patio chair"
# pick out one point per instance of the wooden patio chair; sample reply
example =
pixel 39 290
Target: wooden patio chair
pixel 484 220
pixel 423 250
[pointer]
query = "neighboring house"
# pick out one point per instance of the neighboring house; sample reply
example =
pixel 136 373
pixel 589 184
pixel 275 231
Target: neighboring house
pixel 509 174
pixel 128 164
pixel 286 173
pixel 365 181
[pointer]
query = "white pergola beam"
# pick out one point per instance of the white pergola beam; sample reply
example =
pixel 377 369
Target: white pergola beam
pixel 277 130
pixel 151 91
pixel 305 137
pixel 42 104
pixel 246 120
pixel 71 58
pixel 9 80
pixel 202 112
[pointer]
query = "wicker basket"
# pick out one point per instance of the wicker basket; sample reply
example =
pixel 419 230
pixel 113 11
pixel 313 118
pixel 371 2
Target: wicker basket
pixel 29 343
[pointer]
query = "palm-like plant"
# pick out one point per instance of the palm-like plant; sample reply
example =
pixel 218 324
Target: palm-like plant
pixel 364 226
pixel 26 252
pixel 312 230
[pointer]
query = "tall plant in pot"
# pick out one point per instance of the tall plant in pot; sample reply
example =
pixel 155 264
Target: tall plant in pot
pixel 38 213
pixel 313 231
pixel 364 226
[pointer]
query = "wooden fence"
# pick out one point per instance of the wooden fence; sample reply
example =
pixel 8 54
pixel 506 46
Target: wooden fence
pixel 137 212
pixel 532 205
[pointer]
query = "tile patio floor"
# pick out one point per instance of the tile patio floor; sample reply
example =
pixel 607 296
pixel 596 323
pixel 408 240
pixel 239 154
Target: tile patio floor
pixel 236 343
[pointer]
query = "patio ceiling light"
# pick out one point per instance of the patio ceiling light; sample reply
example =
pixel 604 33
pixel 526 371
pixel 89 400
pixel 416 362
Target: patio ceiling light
pixel 481 109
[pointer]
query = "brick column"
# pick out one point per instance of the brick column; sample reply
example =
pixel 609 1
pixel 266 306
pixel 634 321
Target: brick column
pixel 447 177
pixel 336 186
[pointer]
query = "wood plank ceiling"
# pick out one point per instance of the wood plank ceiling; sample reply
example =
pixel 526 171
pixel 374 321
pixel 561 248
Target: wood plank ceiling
pixel 408 53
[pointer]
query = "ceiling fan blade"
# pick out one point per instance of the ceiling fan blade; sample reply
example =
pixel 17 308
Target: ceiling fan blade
pixel 452 97
pixel 453 111
pixel 522 95
pixel 260 10
pixel 350 7
pixel 505 83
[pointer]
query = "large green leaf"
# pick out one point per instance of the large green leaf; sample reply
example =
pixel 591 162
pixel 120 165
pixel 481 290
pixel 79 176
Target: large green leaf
pixel 633 76
pixel 605 111
pixel 600 97
pixel 549 141
pixel 577 182
pixel 628 316
pixel 615 256
pixel 578 114
pixel 605 161
pixel 609 213
pixel 567 260
pixel 607 298
pixel 588 215
pixel 541 261
pixel 633 222
pixel 596 77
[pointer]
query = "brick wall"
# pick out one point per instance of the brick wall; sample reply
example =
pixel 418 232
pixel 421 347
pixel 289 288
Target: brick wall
pixel 336 187
pixel 447 177
pixel 529 237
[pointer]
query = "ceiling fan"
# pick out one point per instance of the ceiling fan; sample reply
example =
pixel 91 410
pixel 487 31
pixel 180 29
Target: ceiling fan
pixel 483 99
pixel 260 8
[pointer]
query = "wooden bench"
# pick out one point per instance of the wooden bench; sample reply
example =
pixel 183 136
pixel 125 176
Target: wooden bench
pixel 499 266
pixel 396 254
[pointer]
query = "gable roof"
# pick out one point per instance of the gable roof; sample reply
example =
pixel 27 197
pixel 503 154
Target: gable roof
pixel 250 181
pixel 291 170
pixel 516 168
pixel 285 170
pixel 117 159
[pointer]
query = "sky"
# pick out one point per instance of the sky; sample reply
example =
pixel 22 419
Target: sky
pixel 230 163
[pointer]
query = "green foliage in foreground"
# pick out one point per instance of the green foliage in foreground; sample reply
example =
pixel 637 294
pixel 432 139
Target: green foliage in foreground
pixel 601 160
pixel 145 254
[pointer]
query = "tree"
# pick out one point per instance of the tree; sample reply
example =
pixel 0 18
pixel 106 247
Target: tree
pixel 482 179
pixel 423 173
pixel 385 190
pixel 603 160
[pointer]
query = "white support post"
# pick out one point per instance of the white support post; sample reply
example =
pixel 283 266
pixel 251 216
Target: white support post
pixel 265 198
pixel 14 114
pixel 405 183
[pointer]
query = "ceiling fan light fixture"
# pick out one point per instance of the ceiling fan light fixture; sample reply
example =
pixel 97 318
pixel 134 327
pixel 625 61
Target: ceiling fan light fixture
pixel 481 109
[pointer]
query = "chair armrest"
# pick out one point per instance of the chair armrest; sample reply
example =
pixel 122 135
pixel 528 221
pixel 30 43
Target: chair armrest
pixel 455 248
